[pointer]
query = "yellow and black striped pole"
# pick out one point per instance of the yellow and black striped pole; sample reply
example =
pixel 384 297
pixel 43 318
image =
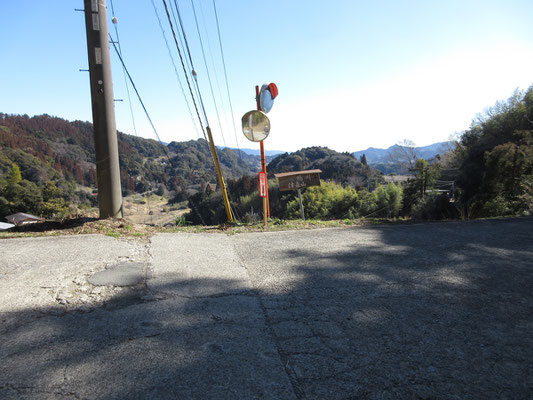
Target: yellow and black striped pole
pixel 220 177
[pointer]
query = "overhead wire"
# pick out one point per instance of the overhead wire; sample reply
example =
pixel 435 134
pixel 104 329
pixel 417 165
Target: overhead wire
pixel 208 74
pixel 175 68
pixel 226 78
pixel 227 86
pixel 213 65
pixel 210 84
pixel 173 10
pixel 182 36
pixel 115 25
pixel 193 72
pixel 114 20
pixel 139 97
pixel 151 123
pixel 118 51
pixel 185 72
pixel 206 31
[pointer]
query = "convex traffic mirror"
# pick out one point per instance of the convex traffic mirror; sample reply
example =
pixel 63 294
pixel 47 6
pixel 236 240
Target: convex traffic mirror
pixel 266 96
pixel 255 125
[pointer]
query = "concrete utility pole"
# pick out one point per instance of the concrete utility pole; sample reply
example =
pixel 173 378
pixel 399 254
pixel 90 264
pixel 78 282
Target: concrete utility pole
pixel 105 130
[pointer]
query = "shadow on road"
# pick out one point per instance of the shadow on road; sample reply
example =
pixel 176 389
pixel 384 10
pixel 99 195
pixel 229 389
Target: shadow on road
pixel 54 225
pixel 419 311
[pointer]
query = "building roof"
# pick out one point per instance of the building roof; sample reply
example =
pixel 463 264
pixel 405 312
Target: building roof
pixel 397 178
pixel 22 218
pixel 4 226
pixel 309 171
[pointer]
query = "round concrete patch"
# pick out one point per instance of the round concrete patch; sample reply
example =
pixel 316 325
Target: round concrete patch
pixel 123 274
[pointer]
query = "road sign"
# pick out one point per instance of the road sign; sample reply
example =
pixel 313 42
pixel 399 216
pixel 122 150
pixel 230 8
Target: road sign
pixel 262 184
pixel 298 179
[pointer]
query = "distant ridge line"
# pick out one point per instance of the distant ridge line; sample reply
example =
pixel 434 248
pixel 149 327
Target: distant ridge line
pixel 377 155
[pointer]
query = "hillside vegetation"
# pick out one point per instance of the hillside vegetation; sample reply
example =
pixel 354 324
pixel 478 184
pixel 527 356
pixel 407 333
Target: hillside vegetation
pixel 47 167
pixel 487 172
pixel 343 168
pixel 495 160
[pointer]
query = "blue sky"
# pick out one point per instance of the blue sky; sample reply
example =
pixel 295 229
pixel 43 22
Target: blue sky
pixel 351 74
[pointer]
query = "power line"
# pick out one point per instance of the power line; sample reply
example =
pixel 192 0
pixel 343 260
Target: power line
pixel 114 20
pixel 173 6
pixel 206 31
pixel 193 72
pixel 185 72
pixel 183 32
pixel 210 84
pixel 175 69
pixel 139 97
pixel 213 65
pixel 226 77
pixel 183 41
pixel 208 74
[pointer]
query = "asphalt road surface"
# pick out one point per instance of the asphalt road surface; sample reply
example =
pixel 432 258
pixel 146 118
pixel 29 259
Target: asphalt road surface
pixel 427 311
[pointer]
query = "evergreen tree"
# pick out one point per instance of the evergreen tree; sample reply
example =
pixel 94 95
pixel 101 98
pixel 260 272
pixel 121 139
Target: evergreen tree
pixel 495 160
pixel 14 175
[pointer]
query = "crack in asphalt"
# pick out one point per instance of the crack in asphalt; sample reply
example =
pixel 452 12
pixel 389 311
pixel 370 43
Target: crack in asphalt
pixel 297 390
pixel 36 390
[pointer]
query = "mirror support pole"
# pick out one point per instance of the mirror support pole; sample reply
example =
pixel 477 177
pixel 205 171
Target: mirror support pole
pixel 266 201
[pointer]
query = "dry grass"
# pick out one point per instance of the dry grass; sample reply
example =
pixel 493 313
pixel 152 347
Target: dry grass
pixel 116 227
pixel 152 210
pixel 119 227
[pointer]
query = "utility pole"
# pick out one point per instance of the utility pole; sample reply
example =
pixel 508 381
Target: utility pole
pixel 104 124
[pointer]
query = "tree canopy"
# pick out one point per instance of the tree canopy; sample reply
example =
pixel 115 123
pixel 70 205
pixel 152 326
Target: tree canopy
pixel 495 159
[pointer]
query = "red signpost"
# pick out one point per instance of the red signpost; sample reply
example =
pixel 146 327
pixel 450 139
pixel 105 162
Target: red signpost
pixel 256 126
pixel 263 162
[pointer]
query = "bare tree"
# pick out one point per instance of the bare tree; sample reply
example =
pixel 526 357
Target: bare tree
pixel 404 154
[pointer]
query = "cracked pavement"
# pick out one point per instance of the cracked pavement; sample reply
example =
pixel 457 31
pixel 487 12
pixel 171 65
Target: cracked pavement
pixel 426 311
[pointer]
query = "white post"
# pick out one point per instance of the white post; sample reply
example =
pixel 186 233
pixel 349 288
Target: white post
pixel 301 204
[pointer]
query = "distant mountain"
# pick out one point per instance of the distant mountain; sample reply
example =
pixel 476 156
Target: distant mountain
pixel 430 151
pixel 385 156
pixel 253 157
pixel 395 159
pixel 257 152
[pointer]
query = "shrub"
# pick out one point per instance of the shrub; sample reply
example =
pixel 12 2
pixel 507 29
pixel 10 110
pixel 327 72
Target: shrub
pixel 389 200
pixel 328 201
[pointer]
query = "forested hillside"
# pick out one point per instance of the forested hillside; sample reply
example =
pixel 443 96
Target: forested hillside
pixel 344 192
pixel 194 162
pixel 343 168
pixel 48 163
pixel 488 172
pixel 495 160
